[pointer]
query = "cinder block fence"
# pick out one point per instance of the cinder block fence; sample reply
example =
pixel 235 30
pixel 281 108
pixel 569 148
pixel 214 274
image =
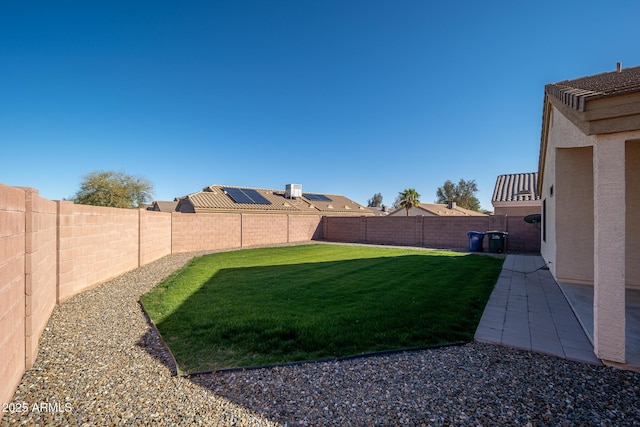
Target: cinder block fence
pixel 431 231
pixel 53 250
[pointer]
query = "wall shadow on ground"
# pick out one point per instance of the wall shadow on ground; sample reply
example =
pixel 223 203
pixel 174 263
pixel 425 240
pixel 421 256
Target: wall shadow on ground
pixel 325 310
pixel 153 344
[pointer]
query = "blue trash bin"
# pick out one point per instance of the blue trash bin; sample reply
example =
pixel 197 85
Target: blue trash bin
pixel 476 239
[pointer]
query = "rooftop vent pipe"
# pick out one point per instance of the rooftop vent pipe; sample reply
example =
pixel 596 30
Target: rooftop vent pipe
pixel 619 66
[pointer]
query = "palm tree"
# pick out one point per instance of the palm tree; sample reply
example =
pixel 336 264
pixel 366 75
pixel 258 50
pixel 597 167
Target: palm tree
pixel 408 199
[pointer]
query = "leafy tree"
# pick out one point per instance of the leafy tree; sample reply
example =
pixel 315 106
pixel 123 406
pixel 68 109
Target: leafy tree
pixel 375 201
pixel 463 193
pixel 407 199
pixel 113 189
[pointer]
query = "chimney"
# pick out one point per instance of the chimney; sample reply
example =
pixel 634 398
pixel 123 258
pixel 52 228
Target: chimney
pixel 619 66
pixel 451 205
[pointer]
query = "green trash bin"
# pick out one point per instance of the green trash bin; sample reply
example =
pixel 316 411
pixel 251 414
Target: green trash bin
pixel 497 241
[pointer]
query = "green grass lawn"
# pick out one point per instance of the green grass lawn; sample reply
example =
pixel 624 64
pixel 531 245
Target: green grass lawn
pixel 275 305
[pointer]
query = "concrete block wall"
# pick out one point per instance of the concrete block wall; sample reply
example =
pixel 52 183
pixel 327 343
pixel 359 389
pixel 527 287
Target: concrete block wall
pixel 202 232
pixel 435 232
pixel 451 232
pixel 51 251
pixel 155 235
pixel 12 295
pixel 523 236
pixel 344 229
pixel 257 229
pixel 95 244
pixel 407 230
pixel 303 228
pixel 40 268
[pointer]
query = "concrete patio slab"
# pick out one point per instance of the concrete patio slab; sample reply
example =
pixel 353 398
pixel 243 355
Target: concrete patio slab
pixel 528 310
pixel 580 297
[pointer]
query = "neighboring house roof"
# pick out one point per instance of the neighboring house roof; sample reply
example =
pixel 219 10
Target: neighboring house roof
pixel 220 198
pixel 516 187
pixel 380 210
pixel 437 209
pixel 164 206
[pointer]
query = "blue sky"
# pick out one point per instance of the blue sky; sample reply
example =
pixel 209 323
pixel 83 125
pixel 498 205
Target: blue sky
pixel 343 97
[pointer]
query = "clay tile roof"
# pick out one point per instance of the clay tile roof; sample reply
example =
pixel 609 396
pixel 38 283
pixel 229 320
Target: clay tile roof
pixel 516 187
pixel 575 93
pixel 442 209
pixel 214 199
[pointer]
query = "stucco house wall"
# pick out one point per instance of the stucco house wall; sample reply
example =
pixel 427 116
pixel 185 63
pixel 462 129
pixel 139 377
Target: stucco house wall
pixel 523 209
pixel 589 181
pixel 570 187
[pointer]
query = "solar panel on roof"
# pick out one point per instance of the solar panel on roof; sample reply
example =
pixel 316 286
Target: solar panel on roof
pixel 246 195
pixel 256 197
pixel 320 197
pixel 237 195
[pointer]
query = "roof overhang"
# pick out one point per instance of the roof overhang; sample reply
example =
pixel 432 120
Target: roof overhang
pixel 591 113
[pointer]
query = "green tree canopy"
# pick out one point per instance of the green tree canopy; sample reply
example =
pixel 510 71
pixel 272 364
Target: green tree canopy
pixel 463 193
pixel 113 189
pixel 407 199
pixel 375 201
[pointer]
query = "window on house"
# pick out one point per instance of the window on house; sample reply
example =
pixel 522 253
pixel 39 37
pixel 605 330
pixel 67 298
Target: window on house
pixel 544 220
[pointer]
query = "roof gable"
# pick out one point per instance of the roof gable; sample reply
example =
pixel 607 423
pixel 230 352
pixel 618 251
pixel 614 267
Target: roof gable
pixel 164 206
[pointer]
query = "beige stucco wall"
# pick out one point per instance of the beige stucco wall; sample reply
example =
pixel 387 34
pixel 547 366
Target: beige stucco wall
pixel 632 242
pixel 574 214
pixel 591 230
pixel 565 135
pixel 517 208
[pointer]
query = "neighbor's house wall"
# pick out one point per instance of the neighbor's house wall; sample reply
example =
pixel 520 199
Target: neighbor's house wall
pixel 516 208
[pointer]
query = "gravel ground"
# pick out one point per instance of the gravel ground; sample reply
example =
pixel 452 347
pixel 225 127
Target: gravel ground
pixel 100 363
